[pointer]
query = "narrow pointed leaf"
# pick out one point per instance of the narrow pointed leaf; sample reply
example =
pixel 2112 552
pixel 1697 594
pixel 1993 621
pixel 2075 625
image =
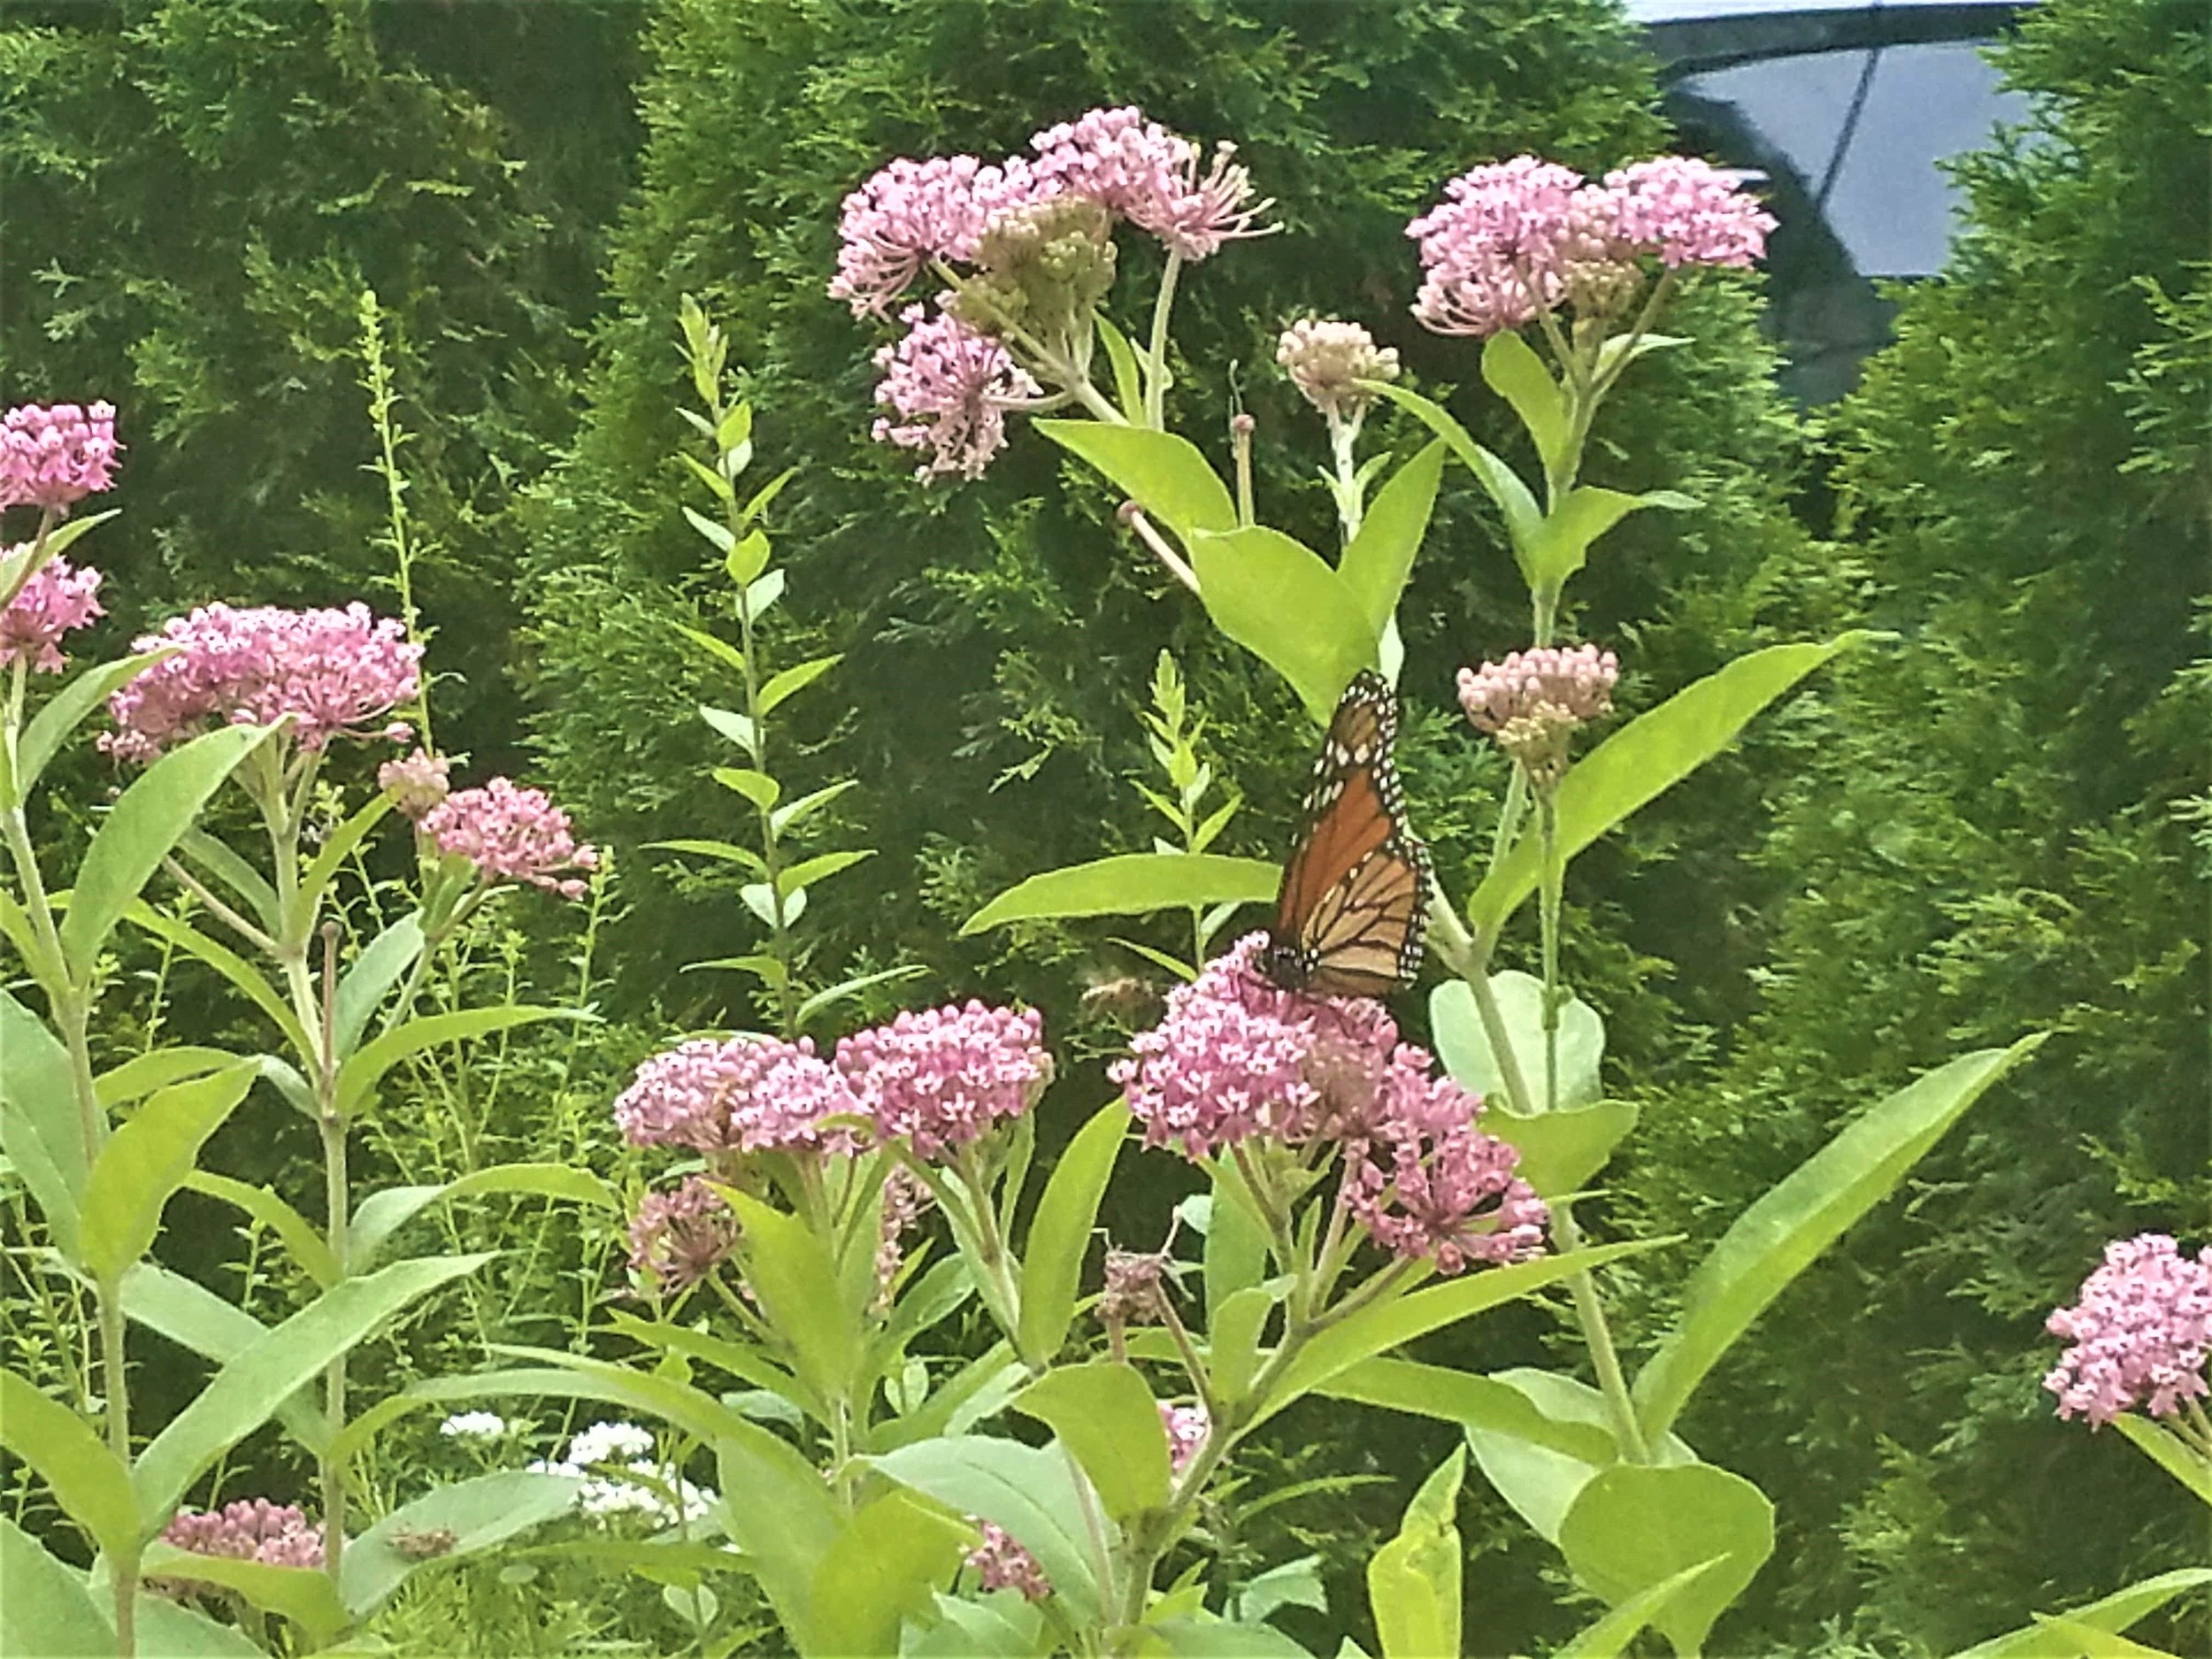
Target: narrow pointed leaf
pixel 807 872
pixel 39 1126
pixel 63 712
pixel 303 1594
pixel 795 679
pixel 358 1077
pixel 887 1562
pixel 1511 369
pixel 797 811
pixel 1060 1232
pixel 1514 499
pixel 479 1513
pixel 1131 884
pixel 48 1612
pixel 2114 1613
pixel 241 974
pixel 157 1068
pixel 1378 561
pixel 383 1213
pixel 1609 1637
pixel 194 1318
pixel 2165 1449
pixel 1128 382
pixel 86 1478
pixel 144 1162
pixel 330 858
pixel 370 978
pixel 298 1236
pixel 1563 540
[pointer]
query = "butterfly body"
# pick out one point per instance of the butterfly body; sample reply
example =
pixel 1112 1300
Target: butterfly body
pixel 1350 914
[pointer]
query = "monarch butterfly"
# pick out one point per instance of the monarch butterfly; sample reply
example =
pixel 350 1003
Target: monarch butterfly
pixel 1350 914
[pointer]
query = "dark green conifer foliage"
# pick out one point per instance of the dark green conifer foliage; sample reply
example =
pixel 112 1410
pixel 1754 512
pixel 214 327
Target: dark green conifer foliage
pixel 1996 827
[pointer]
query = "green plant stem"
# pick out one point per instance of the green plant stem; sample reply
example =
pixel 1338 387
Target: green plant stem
pixel 1548 908
pixel 1351 506
pixel 1157 544
pixel 1157 380
pixel 379 386
pixel 337 1201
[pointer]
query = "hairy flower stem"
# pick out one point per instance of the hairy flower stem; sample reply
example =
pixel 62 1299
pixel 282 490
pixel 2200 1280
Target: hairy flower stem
pixel 1157 378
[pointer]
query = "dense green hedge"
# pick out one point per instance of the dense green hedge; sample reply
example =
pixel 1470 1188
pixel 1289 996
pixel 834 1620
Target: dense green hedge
pixel 1998 826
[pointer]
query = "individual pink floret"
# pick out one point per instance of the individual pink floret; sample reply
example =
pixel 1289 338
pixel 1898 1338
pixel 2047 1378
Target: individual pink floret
pixel 2139 1332
pixel 945 1077
pixel 950 386
pixel 1187 1427
pixel 54 455
pixel 335 672
pixel 510 834
pixel 58 599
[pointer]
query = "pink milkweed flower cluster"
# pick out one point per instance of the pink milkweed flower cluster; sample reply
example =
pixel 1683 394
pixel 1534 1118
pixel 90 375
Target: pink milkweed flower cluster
pixel 335 672
pixel 1514 239
pixel 742 1095
pixel 678 1237
pixel 950 386
pixel 252 1529
pixel 2139 1333
pixel 944 1078
pixel 1187 1427
pixel 509 833
pixel 58 599
pixel 1002 1564
pixel 53 455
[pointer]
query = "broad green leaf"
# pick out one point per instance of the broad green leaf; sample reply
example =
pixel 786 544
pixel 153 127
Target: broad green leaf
pixel 795 679
pixel 1035 1493
pixel 1500 482
pixel 1560 1151
pixel 1128 382
pixel 1161 473
pixel 358 1077
pixel 138 832
pixel 793 1275
pixel 1380 558
pixel 819 868
pixel 1106 1417
pixel 66 711
pixel 2088 1642
pixel 1511 369
pixel 1131 884
pixel 1201 1635
pixel 1414 1581
pixel 298 1235
pixel 1464 1047
pixel 337 846
pixel 1609 1637
pixel 194 1318
pixel 1294 1584
pixel 715 533
pixel 1232 1341
pixel 1282 602
pixel 40 1129
pixel 479 1513
pixel 1060 1232
pixel 1388 1324
pixel 1634 1527
pixel 762 593
pixel 157 1068
pixel 86 1478
pixel 883 1569
pixel 728 852
pixel 1002 1626
pixel 212 854
pixel 2165 1449
pixel 720 648
pixel 1644 759
pixel 1473 1400
pixel 721 487
pixel 144 1162
pixel 1236 1256
pixel 978 1390
pixel 227 961
pixel 383 1213
pixel 1563 541
pixel 173 1630
pixel 760 898
pixel 2115 1612
pixel 301 1595
pixel 757 787
pixel 47 1611
pixel 370 977
pixel 247 1391
pixel 1778 1238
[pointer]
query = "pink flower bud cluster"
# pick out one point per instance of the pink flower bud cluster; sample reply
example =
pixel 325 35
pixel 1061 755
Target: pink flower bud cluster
pixel 2139 1333
pixel 904 1198
pixel 58 599
pixel 53 455
pixel 415 784
pixel 946 1077
pixel 1187 1427
pixel 252 1529
pixel 1563 686
pixel 1326 359
pixel 509 834
pixel 1002 1564
pixel 1237 1059
pixel 950 386
pixel 335 672
pixel 936 1080
pixel 677 1238
pixel 1516 238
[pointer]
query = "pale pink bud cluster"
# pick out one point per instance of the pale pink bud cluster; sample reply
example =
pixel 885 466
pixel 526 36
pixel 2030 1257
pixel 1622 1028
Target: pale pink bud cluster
pixel 677 1238
pixel 1002 1564
pixel 950 386
pixel 335 672
pixel 1327 359
pixel 252 1529
pixel 1231 1059
pixel 1516 238
pixel 744 1094
pixel 417 783
pixel 904 1198
pixel 2139 1332
pixel 1187 1427
pixel 53 455
pixel 1573 685
pixel 509 834
pixel 58 598
pixel 1429 1186
pixel 945 1077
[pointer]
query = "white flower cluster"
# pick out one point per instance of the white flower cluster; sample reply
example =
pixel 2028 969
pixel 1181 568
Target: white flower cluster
pixel 473 1425
pixel 621 1475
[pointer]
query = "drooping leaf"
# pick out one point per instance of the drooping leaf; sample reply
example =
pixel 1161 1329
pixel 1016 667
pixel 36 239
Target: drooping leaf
pixel 1131 884
pixel 1285 603
pixel 1631 1528
pixel 141 1074
pixel 1778 1237
pixel 383 1213
pixel 883 1569
pixel 479 1513
pixel 85 1476
pixel 1514 498
pixel 1564 538
pixel 1060 1232
pixel 2115 1612
pixel 301 1242
pixel 358 1077
pixel 66 709
pixel 138 832
pixel 1475 1402
pixel 1035 1493
pixel 40 1129
pixel 1162 473
pixel 194 1318
pixel 303 1594
pixel 2165 1449
pixel 1644 759
pixel 1106 1417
